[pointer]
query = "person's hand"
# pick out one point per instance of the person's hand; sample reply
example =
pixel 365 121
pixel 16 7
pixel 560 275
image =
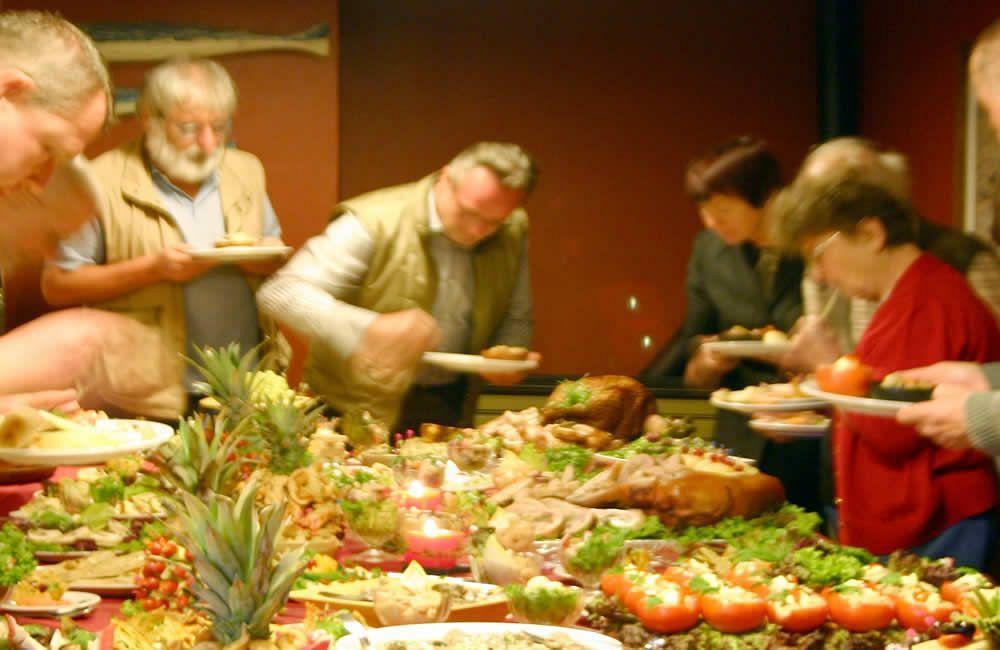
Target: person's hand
pixel 510 378
pixel 813 343
pixel 395 342
pixel 266 267
pixel 942 418
pixel 706 369
pixel 52 400
pixel 959 374
pixel 175 264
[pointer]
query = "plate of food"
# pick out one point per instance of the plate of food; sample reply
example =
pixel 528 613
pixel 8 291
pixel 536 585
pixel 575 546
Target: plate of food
pixel 499 359
pixel 854 403
pixel 471 601
pixel 475 636
pixel 30 437
pixel 69 603
pixel 798 424
pixel 849 385
pixel 238 247
pixel 766 397
pixel 740 341
pixel 99 572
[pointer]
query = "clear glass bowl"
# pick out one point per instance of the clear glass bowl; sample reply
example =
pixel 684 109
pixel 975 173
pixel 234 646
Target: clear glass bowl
pixel 562 612
pixel 400 605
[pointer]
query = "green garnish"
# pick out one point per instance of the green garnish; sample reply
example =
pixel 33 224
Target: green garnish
pixel 543 605
pixel 107 489
pixel 16 557
pixel 52 519
pixel 577 392
pixel 331 626
pixel 824 565
pixel 96 515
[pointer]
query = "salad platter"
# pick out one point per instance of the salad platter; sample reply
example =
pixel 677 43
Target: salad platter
pixel 481 635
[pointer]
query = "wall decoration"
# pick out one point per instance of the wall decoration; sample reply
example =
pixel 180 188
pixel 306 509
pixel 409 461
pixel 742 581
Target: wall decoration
pixel 120 42
pixel 126 101
pixel 981 171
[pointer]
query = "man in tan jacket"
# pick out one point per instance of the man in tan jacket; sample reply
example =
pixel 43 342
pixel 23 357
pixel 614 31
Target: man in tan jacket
pixel 176 189
pixel 440 264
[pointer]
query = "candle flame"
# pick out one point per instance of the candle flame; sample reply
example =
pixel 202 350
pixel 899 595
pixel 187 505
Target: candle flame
pixel 416 489
pixel 431 528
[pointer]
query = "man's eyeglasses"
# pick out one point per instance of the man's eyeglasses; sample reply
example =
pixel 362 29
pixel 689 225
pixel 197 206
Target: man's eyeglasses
pixel 192 129
pixel 820 248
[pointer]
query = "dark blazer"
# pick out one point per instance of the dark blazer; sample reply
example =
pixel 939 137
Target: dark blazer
pixel 723 290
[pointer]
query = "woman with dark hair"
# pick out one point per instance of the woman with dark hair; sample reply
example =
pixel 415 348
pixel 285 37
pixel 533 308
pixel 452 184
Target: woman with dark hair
pixel 895 489
pixel 735 277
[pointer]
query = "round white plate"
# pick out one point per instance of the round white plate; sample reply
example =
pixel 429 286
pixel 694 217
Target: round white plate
pixel 611 460
pixel 436 631
pixel 114 587
pixel 135 436
pixel 794 404
pixel 791 430
pixel 234 254
pixel 475 363
pixel 851 404
pixel 76 603
pixel 747 348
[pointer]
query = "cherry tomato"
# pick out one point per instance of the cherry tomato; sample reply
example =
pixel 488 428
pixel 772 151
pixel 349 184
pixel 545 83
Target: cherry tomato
pixel 733 610
pixel 802 610
pixel 181 601
pixel 921 613
pixel 151 582
pixel 154 567
pixel 863 611
pixel 669 610
pixel 168 587
pixel 169 549
pixel 141 593
pixel 155 548
pixel 179 572
pixel 847 376
pixel 150 604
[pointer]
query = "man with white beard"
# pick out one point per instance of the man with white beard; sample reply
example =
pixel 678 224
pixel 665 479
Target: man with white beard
pixel 176 188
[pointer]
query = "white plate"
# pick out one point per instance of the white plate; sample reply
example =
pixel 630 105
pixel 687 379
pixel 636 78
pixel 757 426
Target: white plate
pixel 436 631
pixel 611 460
pixel 747 348
pixel 114 587
pixel 793 404
pixel 475 363
pixel 75 601
pixel 234 254
pixel 864 405
pixel 136 435
pixel 792 430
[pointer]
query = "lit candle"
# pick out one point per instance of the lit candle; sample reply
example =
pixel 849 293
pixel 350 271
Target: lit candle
pixel 434 547
pixel 421 497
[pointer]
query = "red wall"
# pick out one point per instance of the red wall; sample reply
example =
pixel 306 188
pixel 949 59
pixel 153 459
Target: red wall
pixel 613 98
pixel 288 112
pixel 913 85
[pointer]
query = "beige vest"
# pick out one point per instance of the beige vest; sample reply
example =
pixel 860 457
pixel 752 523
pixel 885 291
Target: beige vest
pixel 402 275
pixel 136 223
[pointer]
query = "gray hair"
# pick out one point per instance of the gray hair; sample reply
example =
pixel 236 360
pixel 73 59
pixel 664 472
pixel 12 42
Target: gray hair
pixel 850 157
pixel 61 60
pixel 515 167
pixel 984 62
pixel 200 82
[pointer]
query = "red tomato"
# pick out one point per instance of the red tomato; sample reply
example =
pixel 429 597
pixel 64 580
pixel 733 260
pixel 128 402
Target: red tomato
pixel 179 572
pixel 679 574
pixel 847 376
pixel 850 611
pixel 751 574
pixel 615 583
pixel 141 593
pixel 169 548
pixel 921 614
pixel 150 604
pixel 803 610
pixel 672 609
pixel 154 548
pixel 733 610
pixel 181 601
pixel 957 590
pixel 154 567
pixel 168 587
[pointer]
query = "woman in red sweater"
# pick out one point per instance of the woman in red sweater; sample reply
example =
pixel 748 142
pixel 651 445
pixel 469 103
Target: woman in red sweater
pixel 896 489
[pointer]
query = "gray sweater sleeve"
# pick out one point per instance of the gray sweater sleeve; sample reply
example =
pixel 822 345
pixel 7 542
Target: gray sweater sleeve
pixel 982 417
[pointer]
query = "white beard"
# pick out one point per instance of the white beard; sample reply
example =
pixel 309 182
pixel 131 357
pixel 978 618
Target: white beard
pixel 188 165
